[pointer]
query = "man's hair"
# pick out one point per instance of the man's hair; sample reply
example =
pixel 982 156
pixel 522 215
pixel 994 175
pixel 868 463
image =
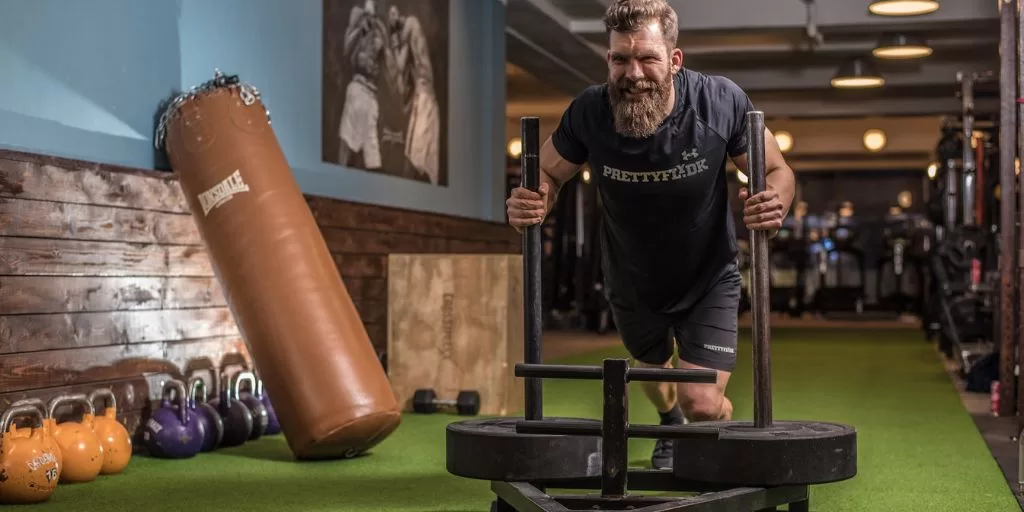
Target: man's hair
pixel 631 15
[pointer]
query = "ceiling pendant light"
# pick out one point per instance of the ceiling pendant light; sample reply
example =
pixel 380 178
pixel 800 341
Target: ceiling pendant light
pixel 903 7
pixel 857 74
pixel 785 140
pixel 874 140
pixel 897 46
pixel 514 148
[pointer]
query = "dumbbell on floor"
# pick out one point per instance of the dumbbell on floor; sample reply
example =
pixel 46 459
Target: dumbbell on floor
pixel 425 401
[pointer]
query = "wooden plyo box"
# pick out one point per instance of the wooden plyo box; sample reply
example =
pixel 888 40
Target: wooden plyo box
pixel 455 323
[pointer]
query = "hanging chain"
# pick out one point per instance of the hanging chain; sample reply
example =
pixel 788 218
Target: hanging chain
pixel 246 92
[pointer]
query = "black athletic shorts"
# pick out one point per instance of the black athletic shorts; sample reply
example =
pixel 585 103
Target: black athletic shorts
pixel 705 332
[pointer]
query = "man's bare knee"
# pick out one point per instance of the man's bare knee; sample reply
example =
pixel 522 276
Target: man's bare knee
pixel 705 402
pixel 703 406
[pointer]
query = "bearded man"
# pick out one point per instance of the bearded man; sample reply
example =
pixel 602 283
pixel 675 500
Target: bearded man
pixel 656 137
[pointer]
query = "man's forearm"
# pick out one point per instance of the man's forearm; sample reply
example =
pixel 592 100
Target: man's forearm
pixel 554 187
pixel 783 181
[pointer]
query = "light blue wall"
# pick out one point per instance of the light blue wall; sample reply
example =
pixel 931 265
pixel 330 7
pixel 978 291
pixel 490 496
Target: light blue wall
pixel 83 79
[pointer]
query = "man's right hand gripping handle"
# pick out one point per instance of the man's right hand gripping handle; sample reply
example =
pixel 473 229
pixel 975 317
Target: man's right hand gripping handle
pixel 529 203
pixel 526 207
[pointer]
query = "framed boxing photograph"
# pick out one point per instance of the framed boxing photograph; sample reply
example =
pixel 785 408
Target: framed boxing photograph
pixel 385 87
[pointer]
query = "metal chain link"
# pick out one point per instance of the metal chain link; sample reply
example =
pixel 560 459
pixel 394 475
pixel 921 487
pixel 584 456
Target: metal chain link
pixel 248 93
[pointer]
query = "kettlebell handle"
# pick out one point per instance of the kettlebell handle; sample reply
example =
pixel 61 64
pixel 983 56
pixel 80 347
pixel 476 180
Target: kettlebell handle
pixel 197 387
pixel 106 393
pixel 35 402
pixel 17 412
pixel 59 400
pixel 239 378
pixel 182 398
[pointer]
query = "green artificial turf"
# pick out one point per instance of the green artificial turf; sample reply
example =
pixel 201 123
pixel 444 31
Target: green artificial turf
pixel 918 448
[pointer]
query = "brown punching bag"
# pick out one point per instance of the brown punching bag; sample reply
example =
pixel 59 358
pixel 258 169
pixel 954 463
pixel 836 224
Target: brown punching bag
pixel 332 396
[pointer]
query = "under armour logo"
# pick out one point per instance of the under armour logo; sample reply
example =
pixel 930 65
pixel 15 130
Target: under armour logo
pixel 690 155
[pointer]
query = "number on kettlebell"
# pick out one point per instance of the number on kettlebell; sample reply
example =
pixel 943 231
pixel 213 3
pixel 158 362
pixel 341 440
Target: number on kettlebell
pixel 28 461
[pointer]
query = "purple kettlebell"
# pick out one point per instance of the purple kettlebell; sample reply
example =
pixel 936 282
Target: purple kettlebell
pixel 273 426
pixel 209 418
pixel 173 431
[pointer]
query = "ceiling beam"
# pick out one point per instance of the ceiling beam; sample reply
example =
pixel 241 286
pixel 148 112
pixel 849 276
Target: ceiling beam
pixel 551 9
pixel 581 8
pixel 538 41
pixel 537 61
pixel 549 110
pixel 813 107
pixel 923 74
pixel 830 16
pixel 949 46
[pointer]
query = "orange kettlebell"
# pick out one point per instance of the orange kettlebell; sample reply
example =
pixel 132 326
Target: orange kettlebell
pixel 28 464
pixel 48 440
pixel 117 443
pixel 80 449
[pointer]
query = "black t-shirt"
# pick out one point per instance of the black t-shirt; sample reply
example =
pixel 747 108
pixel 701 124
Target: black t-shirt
pixel 668 232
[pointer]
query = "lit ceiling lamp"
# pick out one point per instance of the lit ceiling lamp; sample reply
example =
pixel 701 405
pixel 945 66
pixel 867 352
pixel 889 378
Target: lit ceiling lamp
pixel 515 147
pixel 903 7
pixel 905 199
pixel 857 74
pixel 896 46
pixel 785 140
pixel 874 140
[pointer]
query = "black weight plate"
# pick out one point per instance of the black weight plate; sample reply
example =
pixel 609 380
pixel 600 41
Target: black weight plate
pixel 787 453
pixel 491 449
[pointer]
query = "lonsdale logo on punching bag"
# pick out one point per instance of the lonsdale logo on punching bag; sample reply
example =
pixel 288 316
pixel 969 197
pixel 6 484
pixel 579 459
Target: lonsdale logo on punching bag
pixel 222 192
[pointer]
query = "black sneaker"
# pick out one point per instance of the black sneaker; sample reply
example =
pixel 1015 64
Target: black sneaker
pixel 662 456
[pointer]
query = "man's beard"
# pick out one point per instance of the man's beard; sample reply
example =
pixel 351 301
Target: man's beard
pixel 638 115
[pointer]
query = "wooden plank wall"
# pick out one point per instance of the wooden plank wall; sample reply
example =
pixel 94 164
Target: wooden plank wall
pixel 361 237
pixel 104 278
